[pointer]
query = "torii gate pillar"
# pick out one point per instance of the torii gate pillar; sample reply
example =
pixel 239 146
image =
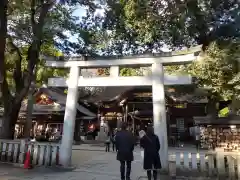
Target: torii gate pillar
pixel 159 111
pixel 69 117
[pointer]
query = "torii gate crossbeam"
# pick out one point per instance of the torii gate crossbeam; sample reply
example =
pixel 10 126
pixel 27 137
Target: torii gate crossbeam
pixel 121 81
pixel 156 80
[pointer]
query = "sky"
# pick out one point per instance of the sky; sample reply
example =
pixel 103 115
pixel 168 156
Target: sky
pixel 79 13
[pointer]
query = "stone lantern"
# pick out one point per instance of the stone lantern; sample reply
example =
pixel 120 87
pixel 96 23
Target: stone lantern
pixel 119 120
pixel 102 134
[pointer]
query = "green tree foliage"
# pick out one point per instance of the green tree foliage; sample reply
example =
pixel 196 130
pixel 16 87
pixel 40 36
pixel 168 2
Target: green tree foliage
pixel 130 72
pixel 35 28
pixel 145 26
pixel 123 72
pixel 42 73
pixel 217 71
pixel 217 68
pixel 135 27
pixel 150 23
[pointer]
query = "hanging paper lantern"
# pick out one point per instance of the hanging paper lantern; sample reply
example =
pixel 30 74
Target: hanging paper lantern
pixel 91 127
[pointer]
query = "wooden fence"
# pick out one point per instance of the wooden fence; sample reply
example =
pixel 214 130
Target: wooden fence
pixel 42 154
pixel 211 164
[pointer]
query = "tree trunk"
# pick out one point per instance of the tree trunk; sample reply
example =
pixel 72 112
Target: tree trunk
pixel 212 110
pixel 9 120
pixel 3 36
pixel 28 122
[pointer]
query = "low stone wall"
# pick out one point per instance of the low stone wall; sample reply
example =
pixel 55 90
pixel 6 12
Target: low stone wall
pixel 207 164
pixel 215 165
pixel 42 154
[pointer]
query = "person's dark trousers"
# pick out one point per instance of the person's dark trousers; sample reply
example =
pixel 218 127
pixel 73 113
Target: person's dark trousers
pixel 197 144
pixel 149 174
pixel 107 147
pixel 113 146
pixel 122 170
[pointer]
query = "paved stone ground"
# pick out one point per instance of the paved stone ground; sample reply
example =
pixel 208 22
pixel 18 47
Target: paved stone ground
pixel 94 166
pixel 91 163
pixel 100 147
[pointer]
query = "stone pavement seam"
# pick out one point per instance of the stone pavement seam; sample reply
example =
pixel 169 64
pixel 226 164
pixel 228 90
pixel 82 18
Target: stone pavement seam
pixel 101 150
pixel 97 172
pixel 12 164
pixel 111 175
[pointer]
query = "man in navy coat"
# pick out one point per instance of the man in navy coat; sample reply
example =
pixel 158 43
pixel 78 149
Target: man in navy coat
pixel 125 146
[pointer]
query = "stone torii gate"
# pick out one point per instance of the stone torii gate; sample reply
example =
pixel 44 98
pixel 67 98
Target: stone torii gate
pixel 157 80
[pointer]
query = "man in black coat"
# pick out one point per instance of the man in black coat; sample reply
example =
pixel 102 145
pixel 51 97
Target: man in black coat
pixel 125 146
